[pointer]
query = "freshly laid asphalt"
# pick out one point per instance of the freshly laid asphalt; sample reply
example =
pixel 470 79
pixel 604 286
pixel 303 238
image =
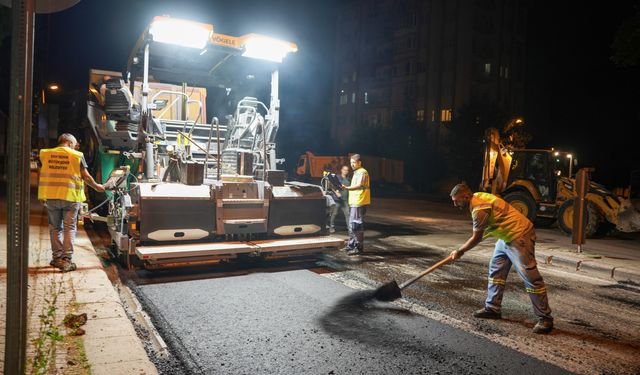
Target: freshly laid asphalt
pixel 298 322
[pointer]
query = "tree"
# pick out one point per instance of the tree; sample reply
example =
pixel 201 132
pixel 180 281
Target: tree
pixel 626 43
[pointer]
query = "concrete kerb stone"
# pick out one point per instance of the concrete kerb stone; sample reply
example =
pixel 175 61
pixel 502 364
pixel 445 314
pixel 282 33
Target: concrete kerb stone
pixel 583 263
pixel 575 262
pixel 626 275
pixel 110 340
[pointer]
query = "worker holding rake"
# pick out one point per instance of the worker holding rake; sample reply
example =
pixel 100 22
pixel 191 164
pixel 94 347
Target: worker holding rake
pixel 515 246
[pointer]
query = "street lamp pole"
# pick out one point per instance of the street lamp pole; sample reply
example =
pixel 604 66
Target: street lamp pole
pixel 18 145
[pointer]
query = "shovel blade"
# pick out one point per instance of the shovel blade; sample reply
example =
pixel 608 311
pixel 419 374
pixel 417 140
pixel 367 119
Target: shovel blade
pixel 388 292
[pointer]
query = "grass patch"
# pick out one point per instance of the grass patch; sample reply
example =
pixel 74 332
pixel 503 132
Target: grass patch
pixel 49 332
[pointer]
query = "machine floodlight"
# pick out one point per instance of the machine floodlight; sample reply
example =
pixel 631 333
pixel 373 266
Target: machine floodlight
pixel 180 32
pixel 266 48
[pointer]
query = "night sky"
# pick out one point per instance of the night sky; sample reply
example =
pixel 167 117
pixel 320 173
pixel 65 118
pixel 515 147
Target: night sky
pixel 576 98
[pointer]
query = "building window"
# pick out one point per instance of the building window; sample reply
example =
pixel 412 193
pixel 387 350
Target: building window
pixel 366 98
pixel 445 115
pixel 487 69
pixel 420 115
pixel 374 120
pixel 411 43
pixel 344 99
pixel 353 97
pixel 433 116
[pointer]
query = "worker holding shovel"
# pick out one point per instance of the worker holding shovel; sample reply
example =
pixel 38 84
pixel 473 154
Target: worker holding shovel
pixel 515 246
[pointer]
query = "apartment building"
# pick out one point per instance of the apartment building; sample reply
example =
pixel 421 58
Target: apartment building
pixel 423 61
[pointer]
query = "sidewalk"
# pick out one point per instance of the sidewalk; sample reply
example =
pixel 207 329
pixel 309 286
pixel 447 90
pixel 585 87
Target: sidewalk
pixel 550 254
pixel 607 258
pixel 109 344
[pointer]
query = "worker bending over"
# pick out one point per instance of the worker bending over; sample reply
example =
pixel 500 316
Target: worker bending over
pixel 516 245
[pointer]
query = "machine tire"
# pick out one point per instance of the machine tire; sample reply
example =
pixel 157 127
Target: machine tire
pixel 524 203
pixel 565 218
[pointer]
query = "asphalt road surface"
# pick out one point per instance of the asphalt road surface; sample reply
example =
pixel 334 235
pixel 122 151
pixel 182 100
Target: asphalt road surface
pixel 311 317
pixel 295 322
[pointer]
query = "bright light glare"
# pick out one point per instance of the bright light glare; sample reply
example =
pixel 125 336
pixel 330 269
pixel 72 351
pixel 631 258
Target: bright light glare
pixel 54 87
pixel 569 156
pixel 265 48
pixel 180 32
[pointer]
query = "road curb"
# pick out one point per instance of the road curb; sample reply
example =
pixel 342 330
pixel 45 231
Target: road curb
pixel 579 263
pixel 590 265
pixel 626 274
pixel 100 299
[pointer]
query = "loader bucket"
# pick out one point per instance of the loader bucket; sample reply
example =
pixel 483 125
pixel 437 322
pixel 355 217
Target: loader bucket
pixel 628 216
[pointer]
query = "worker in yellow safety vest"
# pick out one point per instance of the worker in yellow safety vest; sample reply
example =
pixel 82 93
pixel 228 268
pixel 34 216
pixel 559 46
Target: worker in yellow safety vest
pixel 359 200
pixel 61 189
pixel 493 216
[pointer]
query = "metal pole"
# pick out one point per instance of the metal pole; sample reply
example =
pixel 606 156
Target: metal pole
pixel 218 148
pixel 570 165
pixel 18 144
pixel 274 106
pixel 145 85
pixel 264 155
pixel 149 159
pixel 579 207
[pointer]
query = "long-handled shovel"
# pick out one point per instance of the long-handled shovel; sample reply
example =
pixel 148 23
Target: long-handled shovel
pixel 391 291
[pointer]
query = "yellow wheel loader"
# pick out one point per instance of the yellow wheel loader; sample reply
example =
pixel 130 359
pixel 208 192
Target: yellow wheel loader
pixel 539 183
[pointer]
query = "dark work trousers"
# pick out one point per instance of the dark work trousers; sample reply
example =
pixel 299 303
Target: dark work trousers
pixel 356 226
pixel 63 218
pixel 339 206
pixel 521 254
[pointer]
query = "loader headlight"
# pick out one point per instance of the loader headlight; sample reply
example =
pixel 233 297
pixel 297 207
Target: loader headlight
pixel 180 32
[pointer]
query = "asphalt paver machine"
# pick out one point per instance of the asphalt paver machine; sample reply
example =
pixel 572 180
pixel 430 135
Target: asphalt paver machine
pixel 183 190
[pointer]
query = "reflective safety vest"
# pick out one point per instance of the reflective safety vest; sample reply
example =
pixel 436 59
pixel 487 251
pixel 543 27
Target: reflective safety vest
pixel 505 222
pixel 60 175
pixel 360 197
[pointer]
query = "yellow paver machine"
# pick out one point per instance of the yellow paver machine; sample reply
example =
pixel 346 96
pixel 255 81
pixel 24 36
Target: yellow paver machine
pixel 184 190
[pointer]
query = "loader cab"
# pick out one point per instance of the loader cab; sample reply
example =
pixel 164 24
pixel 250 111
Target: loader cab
pixel 541 169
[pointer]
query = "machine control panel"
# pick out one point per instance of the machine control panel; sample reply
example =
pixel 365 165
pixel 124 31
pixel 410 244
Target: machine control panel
pixel 117 178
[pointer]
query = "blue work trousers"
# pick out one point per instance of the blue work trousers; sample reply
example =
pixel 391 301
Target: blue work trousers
pixel 63 216
pixel 356 226
pixel 520 253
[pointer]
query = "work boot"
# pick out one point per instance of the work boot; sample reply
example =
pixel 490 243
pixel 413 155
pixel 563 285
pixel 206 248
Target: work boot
pixel 57 262
pixel 68 266
pixel 354 252
pixel 544 325
pixel 485 313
